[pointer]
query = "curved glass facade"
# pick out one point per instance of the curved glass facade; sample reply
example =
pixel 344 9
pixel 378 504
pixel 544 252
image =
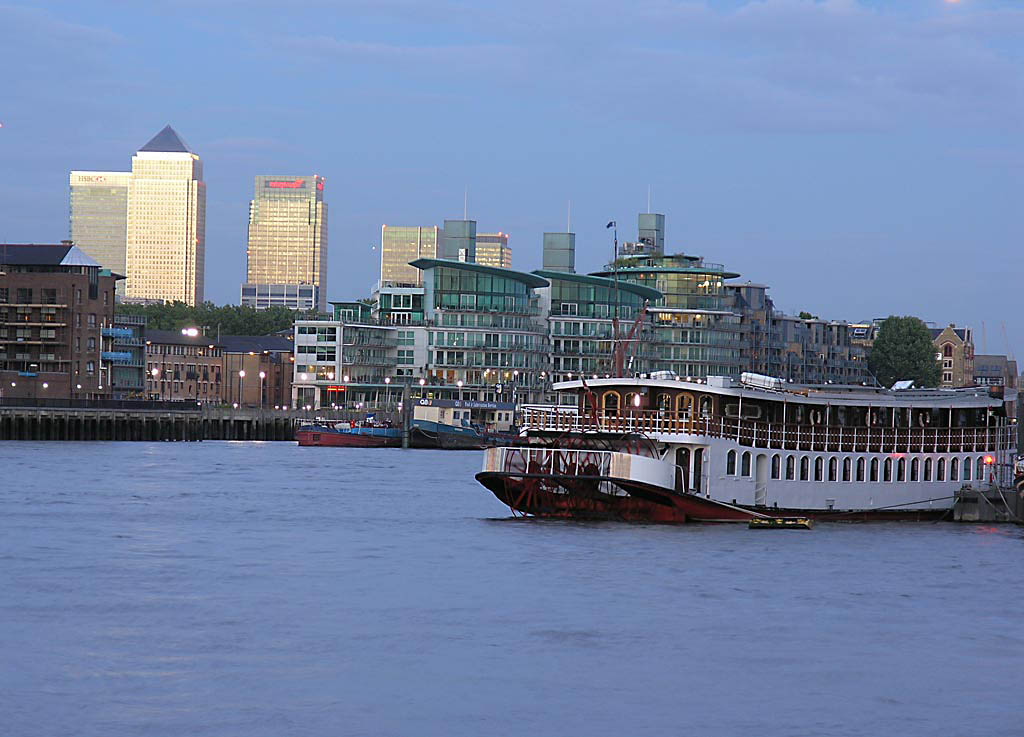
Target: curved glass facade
pixel 485 328
pixel 580 319
pixel 696 333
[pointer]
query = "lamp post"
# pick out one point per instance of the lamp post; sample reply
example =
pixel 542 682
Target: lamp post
pixel 459 384
pixel 387 391
pixel 241 386
pixel 155 372
pixel 423 383
pixel 263 375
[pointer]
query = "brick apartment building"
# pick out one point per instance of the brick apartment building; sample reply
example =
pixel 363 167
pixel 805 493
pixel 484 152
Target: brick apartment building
pixel 55 303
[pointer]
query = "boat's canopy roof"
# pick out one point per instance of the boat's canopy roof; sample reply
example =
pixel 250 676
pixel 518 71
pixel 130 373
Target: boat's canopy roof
pixel 828 394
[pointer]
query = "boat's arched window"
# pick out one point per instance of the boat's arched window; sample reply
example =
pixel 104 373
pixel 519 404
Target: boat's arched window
pixel 805 465
pixel 954 469
pixel 967 469
pixel 927 469
pixel 730 463
pixel 846 469
pixel 790 468
pixel 819 469
pixel 915 469
pixel 980 475
pixel 860 469
pixel 745 463
pixel 610 401
pixel 874 469
pixel 633 401
pixel 665 402
pixel 833 469
pixel 901 469
pixel 940 470
pixel 887 470
pixel 706 406
pixel 776 467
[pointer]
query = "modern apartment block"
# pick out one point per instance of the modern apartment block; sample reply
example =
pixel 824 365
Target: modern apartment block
pixel 98 206
pixel 400 245
pixel 492 249
pixel 340 363
pixel 165 251
pixel 473 331
pixel 697 332
pixel 55 302
pixel 287 250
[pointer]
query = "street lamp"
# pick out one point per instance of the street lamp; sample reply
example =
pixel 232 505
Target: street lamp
pixel 263 375
pixel 241 385
pixel 155 372
pixel 387 390
pixel 459 384
pixel 423 383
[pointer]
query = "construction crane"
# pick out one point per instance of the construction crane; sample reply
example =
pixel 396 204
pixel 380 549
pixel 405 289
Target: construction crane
pixel 621 346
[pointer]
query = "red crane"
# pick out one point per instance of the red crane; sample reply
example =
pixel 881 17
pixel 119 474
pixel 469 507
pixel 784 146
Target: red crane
pixel 621 346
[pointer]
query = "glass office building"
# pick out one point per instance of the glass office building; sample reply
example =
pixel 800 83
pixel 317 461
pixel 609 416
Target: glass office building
pixel 401 244
pixel 98 207
pixel 165 251
pixel 492 249
pixel 287 248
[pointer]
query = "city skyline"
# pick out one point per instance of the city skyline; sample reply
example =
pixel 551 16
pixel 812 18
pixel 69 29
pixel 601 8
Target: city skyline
pixel 898 175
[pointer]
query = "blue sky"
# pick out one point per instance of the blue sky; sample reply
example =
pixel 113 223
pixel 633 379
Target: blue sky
pixel 862 158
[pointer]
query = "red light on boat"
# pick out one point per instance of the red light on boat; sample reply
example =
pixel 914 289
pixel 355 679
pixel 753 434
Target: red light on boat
pixel 989 460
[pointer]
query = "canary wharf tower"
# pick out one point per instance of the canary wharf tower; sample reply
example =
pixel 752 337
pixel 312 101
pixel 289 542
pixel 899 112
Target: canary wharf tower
pixel 165 253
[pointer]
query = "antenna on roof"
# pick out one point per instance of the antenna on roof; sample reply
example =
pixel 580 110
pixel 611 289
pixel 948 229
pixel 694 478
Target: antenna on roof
pixel 648 199
pixel 465 204
pixel 568 219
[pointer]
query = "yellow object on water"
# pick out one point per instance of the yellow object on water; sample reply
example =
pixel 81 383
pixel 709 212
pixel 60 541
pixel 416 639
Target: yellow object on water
pixel 780 523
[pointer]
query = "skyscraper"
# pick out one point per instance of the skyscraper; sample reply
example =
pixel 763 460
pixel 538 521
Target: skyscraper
pixel 166 229
pixel 458 243
pixel 99 217
pixel 560 252
pixel 287 253
pixel 401 244
pixel 492 249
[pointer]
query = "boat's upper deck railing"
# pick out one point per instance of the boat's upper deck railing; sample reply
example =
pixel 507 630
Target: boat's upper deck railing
pixel 758 434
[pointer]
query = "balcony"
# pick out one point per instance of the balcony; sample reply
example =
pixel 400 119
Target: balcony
pixel 117 357
pixel 113 332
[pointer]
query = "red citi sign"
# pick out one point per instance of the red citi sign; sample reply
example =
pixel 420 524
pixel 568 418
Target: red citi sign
pixel 297 184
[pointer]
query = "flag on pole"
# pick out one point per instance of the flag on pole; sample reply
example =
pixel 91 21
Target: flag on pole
pixel 611 224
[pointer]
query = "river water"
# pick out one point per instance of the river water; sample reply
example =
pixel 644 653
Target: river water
pixel 231 589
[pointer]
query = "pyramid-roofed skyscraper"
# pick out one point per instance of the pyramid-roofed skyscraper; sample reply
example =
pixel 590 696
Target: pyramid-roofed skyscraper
pixel 166 229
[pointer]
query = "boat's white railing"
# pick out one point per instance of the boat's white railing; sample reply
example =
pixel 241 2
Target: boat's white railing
pixel 787 436
pixel 549 461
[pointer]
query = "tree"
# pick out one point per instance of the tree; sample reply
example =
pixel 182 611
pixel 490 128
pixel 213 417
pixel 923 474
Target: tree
pixel 807 316
pixel 904 350
pixel 229 319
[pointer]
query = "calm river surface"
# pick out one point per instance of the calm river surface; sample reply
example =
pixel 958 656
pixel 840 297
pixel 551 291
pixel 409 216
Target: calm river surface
pixel 264 589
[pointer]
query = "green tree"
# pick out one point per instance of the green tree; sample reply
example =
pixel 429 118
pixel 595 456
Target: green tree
pixel 807 316
pixel 229 319
pixel 904 350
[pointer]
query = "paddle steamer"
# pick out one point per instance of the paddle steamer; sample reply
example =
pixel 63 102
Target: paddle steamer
pixel 662 449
